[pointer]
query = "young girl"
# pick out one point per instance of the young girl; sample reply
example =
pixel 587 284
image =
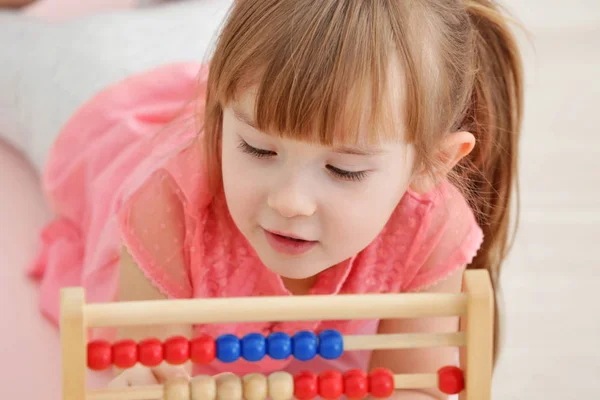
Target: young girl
pixel 334 147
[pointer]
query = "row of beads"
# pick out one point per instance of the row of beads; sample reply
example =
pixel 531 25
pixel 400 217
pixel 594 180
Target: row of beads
pixel 329 385
pixel 227 348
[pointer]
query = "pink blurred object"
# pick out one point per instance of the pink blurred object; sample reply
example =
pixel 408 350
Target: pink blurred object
pixel 65 9
pixel 29 344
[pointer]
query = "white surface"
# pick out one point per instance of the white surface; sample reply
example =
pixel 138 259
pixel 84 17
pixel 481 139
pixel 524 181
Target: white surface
pixel 552 14
pixel 552 279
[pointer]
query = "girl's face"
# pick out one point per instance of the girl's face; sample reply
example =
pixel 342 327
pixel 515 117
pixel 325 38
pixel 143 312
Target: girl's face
pixel 305 207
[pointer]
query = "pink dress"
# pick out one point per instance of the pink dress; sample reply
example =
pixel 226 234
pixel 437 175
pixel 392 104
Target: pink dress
pixel 120 173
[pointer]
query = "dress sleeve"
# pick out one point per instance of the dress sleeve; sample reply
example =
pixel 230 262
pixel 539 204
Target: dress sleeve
pixel 158 221
pixel 451 240
pixel 155 230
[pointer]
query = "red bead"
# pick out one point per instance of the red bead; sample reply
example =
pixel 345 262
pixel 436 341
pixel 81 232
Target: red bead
pixel 331 385
pixel 306 385
pixel 356 384
pixel 176 350
pixel 381 383
pixel 150 352
pixel 99 355
pixel 450 380
pixel 203 349
pixel 124 353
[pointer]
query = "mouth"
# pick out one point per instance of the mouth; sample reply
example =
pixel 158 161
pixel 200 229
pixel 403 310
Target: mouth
pixel 289 236
pixel 289 244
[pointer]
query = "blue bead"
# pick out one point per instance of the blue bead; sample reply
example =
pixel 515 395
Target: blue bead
pixel 228 348
pixel 254 347
pixel 305 345
pixel 279 345
pixel 331 344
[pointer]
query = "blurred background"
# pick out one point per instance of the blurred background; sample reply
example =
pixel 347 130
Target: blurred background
pixel 550 284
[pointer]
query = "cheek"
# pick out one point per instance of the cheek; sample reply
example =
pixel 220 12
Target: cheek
pixel 243 177
pixel 358 215
pixel 236 174
pixel 241 183
pixel 356 219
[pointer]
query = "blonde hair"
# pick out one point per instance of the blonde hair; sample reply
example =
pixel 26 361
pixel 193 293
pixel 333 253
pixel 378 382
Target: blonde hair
pixel 315 64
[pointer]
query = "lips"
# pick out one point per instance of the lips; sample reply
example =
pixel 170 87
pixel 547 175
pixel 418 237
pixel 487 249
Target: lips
pixel 289 236
pixel 288 244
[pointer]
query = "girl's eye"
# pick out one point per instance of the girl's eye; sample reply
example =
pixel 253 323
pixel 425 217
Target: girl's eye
pixel 347 175
pixel 253 151
pixel 338 173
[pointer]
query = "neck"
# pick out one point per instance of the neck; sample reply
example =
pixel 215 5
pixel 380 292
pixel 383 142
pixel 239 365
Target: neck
pixel 299 287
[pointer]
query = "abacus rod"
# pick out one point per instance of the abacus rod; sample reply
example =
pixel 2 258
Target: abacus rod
pixel 276 308
pixel 156 392
pixel 415 381
pixel 150 392
pixel 404 341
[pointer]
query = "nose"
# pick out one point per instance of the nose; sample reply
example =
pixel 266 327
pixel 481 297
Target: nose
pixel 291 199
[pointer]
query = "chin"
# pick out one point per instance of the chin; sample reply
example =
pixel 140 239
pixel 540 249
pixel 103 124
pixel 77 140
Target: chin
pixel 292 268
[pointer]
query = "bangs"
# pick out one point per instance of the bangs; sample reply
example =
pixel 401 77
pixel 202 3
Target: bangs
pixel 320 70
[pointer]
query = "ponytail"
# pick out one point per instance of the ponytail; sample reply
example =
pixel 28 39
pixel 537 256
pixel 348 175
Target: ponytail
pixel 494 118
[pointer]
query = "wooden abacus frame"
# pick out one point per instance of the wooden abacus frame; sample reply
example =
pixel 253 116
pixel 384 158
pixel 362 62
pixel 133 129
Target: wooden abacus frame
pixel 475 307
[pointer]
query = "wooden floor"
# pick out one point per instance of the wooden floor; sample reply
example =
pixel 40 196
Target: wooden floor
pixel 551 283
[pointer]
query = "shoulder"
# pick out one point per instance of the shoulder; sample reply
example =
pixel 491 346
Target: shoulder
pixel 449 237
pixel 442 209
pixel 167 85
pixel 120 117
pixel 428 237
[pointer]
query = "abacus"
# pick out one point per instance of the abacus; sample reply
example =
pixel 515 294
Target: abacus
pixel 472 381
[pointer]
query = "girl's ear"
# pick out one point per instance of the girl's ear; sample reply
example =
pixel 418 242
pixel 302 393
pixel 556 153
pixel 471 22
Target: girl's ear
pixel 454 147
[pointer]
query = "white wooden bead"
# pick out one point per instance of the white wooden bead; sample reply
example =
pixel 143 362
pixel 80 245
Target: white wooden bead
pixel 255 387
pixel 281 386
pixel 229 387
pixel 203 387
pixel 177 389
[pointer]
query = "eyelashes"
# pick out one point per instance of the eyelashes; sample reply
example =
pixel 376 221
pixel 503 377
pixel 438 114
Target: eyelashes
pixel 253 151
pixel 353 176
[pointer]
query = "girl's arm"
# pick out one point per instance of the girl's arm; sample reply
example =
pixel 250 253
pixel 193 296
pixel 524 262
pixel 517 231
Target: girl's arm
pixel 410 361
pixel 134 286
